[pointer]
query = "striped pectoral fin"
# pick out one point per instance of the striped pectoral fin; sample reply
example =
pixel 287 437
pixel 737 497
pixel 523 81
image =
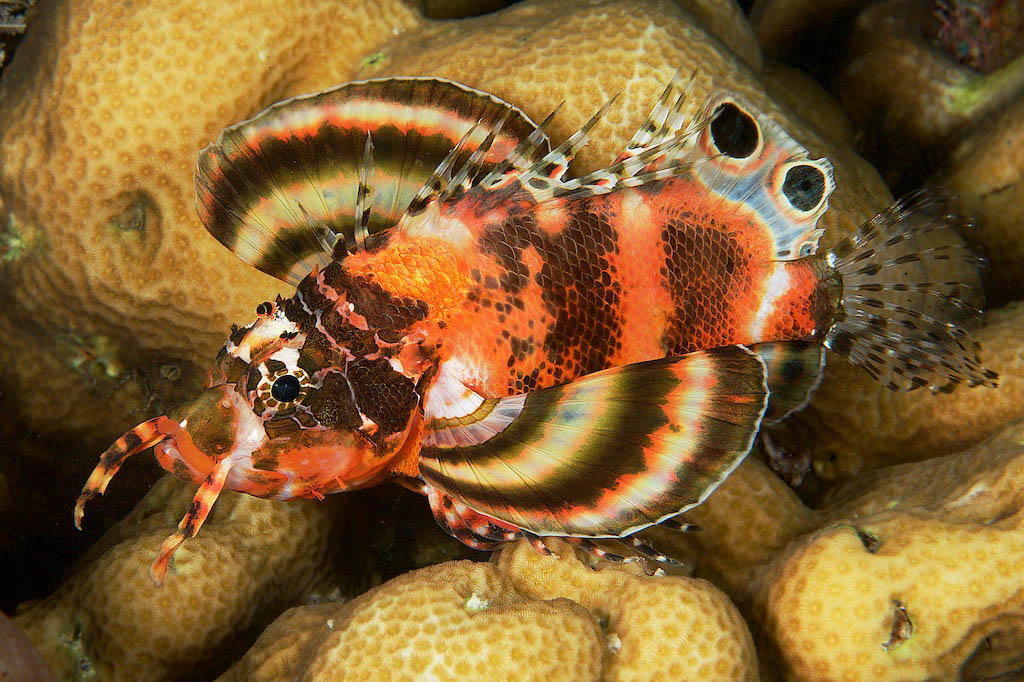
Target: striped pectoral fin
pixel 209 491
pixel 793 370
pixel 608 454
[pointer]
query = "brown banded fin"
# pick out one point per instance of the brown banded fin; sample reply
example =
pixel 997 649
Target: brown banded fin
pixel 908 290
pixel 608 454
pixel 793 369
pixel 277 188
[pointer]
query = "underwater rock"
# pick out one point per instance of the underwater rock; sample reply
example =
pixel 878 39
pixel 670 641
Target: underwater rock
pixel 986 172
pixel 905 572
pixel 910 83
pixel 546 618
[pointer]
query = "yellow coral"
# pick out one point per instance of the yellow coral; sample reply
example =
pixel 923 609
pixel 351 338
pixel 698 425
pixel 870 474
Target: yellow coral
pixel 102 113
pixel 859 425
pixel 254 558
pixel 919 557
pixel 526 617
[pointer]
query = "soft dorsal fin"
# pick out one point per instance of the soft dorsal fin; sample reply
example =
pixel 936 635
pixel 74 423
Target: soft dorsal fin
pixel 276 189
pixel 748 161
pixel 606 455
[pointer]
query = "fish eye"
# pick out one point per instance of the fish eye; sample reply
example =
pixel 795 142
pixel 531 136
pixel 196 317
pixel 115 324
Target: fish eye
pixel 804 186
pixel 734 131
pixel 286 388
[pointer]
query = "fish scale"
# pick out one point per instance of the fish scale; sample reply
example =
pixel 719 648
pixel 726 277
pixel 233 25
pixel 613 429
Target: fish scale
pixel 537 355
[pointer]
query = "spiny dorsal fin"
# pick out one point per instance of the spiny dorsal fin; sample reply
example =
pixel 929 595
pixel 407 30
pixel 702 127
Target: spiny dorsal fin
pixel 267 180
pixel 608 454
pixel 551 168
pixel 523 156
pixel 436 185
pixel 364 196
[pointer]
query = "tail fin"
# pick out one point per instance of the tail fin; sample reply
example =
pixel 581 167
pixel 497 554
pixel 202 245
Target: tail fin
pixel 910 290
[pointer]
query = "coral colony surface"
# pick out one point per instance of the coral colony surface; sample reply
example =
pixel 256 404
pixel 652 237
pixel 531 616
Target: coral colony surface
pixel 871 534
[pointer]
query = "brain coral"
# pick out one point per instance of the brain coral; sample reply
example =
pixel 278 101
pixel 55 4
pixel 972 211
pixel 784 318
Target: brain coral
pixel 525 616
pixel 109 620
pixel 902 574
pixel 115 299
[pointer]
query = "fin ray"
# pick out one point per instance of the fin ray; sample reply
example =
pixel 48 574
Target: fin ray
pixel 904 313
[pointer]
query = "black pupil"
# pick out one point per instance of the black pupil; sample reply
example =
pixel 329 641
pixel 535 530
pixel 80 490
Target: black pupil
pixel 804 185
pixel 734 132
pixel 285 388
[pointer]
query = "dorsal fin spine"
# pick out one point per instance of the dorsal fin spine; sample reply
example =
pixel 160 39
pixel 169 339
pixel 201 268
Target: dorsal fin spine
pixel 364 195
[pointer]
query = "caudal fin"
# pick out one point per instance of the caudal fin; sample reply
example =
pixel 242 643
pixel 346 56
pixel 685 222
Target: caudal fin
pixel 909 293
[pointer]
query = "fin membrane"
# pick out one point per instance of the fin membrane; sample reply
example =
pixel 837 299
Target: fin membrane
pixel 909 290
pixel 793 370
pixel 608 454
pixel 751 164
pixel 277 188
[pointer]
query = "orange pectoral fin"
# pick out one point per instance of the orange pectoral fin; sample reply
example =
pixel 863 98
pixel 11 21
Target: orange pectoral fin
pixel 145 435
pixel 190 524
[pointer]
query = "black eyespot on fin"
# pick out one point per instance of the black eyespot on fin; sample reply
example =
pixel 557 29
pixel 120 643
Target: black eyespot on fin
pixel 734 131
pixel 804 186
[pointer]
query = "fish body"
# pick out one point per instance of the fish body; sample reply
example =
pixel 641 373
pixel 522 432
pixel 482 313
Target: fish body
pixel 538 355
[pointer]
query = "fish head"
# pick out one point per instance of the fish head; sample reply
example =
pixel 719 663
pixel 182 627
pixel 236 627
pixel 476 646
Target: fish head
pixel 301 416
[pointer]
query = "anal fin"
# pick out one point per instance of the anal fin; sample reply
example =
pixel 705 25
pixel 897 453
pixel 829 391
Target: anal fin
pixel 608 454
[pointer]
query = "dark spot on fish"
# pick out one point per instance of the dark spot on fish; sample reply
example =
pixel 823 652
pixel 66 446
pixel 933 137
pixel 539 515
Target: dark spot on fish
pixel 792 369
pixel 734 131
pixel 275 367
pixel 842 343
pixel 131 441
pixel 264 308
pixel 384 395
pixel 804 186
pixel 332 404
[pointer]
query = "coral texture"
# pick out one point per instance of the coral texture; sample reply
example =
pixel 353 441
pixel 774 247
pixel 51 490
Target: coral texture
pixel 859 426
pixel 105 107
pixel 525 616
pixel 986 172
pixel 253 559
pixel 902 574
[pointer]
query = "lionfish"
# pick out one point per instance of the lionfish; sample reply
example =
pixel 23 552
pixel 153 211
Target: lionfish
pixel 537 354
